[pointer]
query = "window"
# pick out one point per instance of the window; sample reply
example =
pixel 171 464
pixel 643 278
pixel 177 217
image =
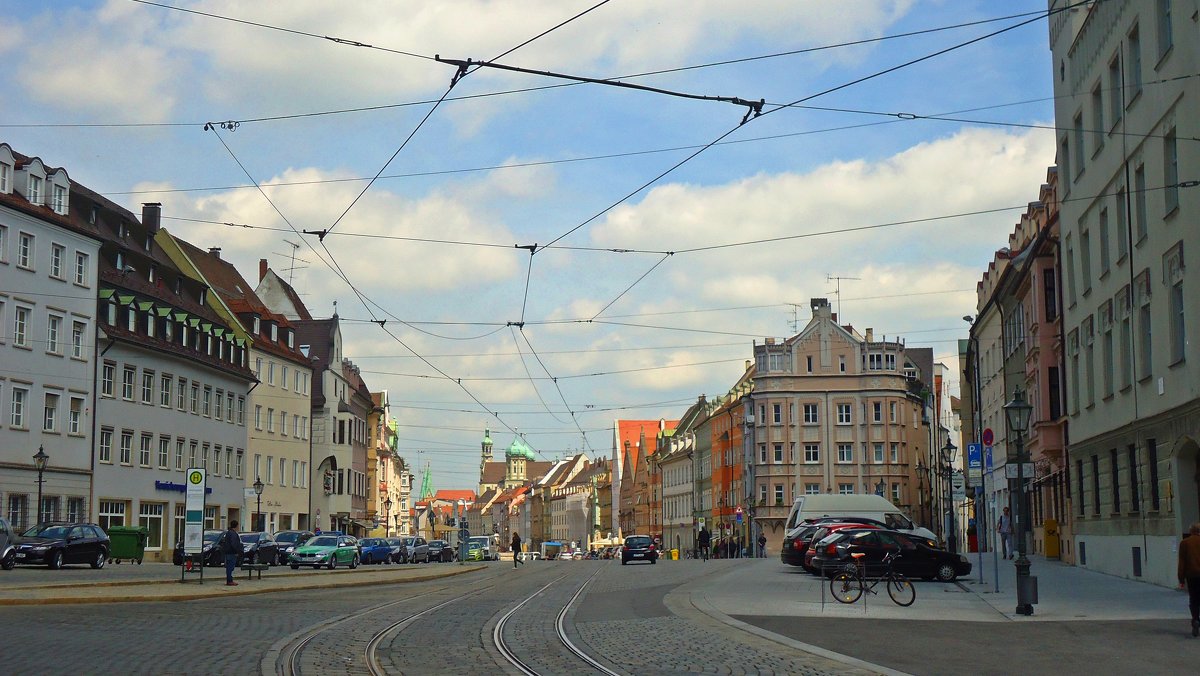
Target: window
pixel 1085 260
pixel 810 414
pixel 210 517
pixel 1170 171
pixel 258 368
pixel 1064 160
pixel 144 450
pixel 74 416
pixel 1077 139
pixel 1145 333
pixel 127 377
pixel 270 420
pixel 50 415
pixel 1079 487
pixel 1135 64
pixel 204 456
pixel 241 410
pixel 78 330
pixel 296 376
pixel 150 517
pixel 21 327
pixel 126 447
pixel 270 469
pixel 5 178
pixel 164 393
pixel 1055 392
pixel 57 253
pixel 778 494
pixel 762 493
pixel 1122 226
pixel 147 387
pixel 49 511
pixel 229 407
pixel 81 268
pixel 1106 348
pixel 877 411
pixel 25 250
pixel 229 462
pixel 1096 485
pixel 75 510
pixel 1163 14
pixel 1070 271
pixel 1139 203
pixel 846 489
pixel 776 413
pixel 1126 337
pixel 1089 363
pixel 271 373
pixel 1102 232
pixel 112 513
pixel 878 453
pixel 239 460
pixel 778 453
pixel 1115 108
pixel 282 472
pixel 845 453
pixel 812 453
pixel 206 409
pixel 283 423
pixel 1176 308
pixel 843 414
pixel 842 363
pixel 179 453
pixel 1152 465
pixel 304 426
pixel 295 425
pixel 762 454
pixel 895 452
pixel 889 362
pixel 874 361
pixel 106 438
pixel 164 452
pixel 1115 481
pixel 257 466
pixel 283 376
pixel 194 400
pixel 192 454
pixel 17 418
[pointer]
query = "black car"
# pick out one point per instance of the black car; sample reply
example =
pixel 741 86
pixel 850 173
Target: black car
pixel 211 554
pixel 399 553
pixel 55 544
pixel 795 544
pixel 440 550
pixel 287 540
pixel 638 548
pixel 259 548
pixel 919 557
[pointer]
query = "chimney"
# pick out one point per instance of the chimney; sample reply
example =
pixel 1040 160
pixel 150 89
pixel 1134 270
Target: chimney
pixel 870 335
pixel 262 268
pixel 151 216
pixel 215 251
pixel 748 363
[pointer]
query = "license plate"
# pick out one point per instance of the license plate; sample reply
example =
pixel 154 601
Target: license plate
pixel 20 555
pixel 638 556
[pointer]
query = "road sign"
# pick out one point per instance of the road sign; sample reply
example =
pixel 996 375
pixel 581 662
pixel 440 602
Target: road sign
pixel 989 437
pixel 700 521
pixel 1010 471
pixel 974 463
pixel 958 487
pixel 987 457
pixel 738 513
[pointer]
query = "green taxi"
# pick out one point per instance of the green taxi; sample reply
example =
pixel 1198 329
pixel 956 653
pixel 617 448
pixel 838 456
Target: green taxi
pixel 325 550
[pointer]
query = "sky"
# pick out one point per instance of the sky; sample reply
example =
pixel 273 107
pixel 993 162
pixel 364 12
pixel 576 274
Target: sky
pixel 682 227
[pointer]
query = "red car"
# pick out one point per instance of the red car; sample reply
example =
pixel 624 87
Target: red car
pixel 823 532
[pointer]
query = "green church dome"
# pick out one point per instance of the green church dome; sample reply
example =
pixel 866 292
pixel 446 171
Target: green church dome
pixel 518 449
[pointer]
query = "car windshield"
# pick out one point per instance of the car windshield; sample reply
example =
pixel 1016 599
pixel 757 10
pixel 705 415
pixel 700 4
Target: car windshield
pixel 51 532
pixel 212 535
pixel 638 542
pixel 371 542
pixel 321 542
pixel 287 537
pixel 437 543
pixel 897 522
pixel 482 542
pixel 251 537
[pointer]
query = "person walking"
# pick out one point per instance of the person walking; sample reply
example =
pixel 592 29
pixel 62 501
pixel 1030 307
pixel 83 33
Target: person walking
pixel 1189 573
pixel 231 546
pixel 703 540
pixel 1004 528
pixel 516 550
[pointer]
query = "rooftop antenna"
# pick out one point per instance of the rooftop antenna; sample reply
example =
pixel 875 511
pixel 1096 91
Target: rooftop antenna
pixel 794 322
pixel 838 291
pixel 292 268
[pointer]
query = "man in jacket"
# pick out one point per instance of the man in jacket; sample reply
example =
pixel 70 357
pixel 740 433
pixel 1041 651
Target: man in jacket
pixel 1189 573
pixel 703 540
pixel 516 550
pixel 231 546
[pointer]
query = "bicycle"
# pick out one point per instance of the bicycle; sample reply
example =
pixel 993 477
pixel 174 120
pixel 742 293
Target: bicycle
pixel 847 586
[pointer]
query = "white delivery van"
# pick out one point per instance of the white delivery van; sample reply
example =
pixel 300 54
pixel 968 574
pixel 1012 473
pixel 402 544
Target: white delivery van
pixel 863 506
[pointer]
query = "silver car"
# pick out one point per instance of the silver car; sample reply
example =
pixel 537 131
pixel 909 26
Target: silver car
pixel 8 540
pixel 416 549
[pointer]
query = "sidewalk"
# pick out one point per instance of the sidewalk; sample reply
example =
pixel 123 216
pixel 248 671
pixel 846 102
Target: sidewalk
pixel 171 589
pixel 767 587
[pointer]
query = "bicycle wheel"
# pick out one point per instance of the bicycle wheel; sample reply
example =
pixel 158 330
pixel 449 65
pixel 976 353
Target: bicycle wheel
pixel 902 591
pixel 845 587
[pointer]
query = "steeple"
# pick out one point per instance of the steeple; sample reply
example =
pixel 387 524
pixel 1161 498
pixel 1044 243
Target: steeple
pixel 485 457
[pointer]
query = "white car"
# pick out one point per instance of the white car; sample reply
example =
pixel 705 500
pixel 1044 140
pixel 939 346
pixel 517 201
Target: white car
pixel 490 551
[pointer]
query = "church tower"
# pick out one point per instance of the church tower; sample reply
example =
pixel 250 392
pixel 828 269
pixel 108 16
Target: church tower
pixel 515 458
pixel 485 458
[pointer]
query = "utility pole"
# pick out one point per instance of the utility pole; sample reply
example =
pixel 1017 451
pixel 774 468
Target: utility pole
pixel 838 291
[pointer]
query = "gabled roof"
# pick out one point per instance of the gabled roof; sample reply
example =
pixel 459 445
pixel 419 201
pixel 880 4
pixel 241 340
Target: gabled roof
pixel 454 495
pixel 631 431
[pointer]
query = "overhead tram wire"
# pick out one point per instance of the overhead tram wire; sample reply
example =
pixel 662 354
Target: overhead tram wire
pixel 532 383
pixel 635 283
pixel 562 396
pixel 574 376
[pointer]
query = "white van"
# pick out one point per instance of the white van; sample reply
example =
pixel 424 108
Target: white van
pixel 864 506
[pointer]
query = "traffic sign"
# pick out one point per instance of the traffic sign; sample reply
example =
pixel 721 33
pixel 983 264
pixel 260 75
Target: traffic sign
pixel 958 487
pixel 989 437
pixel 974 456
pixel 987 457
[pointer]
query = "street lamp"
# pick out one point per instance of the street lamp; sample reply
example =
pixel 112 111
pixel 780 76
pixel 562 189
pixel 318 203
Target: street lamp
pixel 258 489
pixel 39 461
pixel 387 517
pixel 1017 412
pixel 948 452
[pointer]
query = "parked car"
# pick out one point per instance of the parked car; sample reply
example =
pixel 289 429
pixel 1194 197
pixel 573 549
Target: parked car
pixel 375 550
pixel 398 553
pixel 287 540
pixel 823 533
pixel 325 550
pixel 638 548
pixel 795 544
pixel 258 548
pixel 440 550
pixel 416 549
pixel 919 557
pixel 8 546
pixel 56 544
pixel 211 554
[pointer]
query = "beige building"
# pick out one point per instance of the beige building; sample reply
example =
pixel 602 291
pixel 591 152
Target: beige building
pixel 1126 107
pixel 833 411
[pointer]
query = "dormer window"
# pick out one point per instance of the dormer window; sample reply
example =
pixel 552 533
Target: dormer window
pixel 178 285
pixel 58 200
pixel 5 177
pixel 120 262
pixel 149 240
pixel 122 230
pixel 94 215
pixel 274 332
pixel 131 320
pixel 203 295
pixel 257 326
pixel 35 190
pixel 291 339
pixel 153 273
pixel 169 330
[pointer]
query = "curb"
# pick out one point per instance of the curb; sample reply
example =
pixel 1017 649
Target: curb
pixel 224 591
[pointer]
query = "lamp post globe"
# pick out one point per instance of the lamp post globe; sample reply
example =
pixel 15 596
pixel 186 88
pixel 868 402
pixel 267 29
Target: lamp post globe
pixel 1017 412
pixel 948 457
pixel 258 490
pixel 387 516
pixel 39 461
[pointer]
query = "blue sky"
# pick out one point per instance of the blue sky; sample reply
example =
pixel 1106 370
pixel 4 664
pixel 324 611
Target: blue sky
pixel 163 73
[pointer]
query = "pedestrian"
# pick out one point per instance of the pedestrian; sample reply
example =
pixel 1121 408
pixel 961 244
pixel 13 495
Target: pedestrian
pixel 762 546
pixel 1189 573
pixel 516 550
pixel 231 546
pixel 703 540
pixel 1004 528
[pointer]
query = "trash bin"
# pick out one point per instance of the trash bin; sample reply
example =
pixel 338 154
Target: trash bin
pixel 127 542
pixel 674 554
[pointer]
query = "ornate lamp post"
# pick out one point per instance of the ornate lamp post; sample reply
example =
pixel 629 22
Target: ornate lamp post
pixel 258 489
pixel 1018 411
pixel 387 517
pixel 39 461
pixel 948 452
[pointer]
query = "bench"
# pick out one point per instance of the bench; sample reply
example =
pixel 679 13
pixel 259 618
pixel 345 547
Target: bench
pixel 252 568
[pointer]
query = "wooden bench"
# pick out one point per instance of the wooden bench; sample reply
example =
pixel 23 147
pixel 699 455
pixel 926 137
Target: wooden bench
pixel 252 568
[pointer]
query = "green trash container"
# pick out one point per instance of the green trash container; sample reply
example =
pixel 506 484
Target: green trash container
pixel 127 543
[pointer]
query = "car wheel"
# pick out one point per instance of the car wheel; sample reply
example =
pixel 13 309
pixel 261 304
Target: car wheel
pixel 946 572
pixel 9 561
pixel 55 560
pixel 354 562
pixel 624 562
pixel 101 557
pixel 332 562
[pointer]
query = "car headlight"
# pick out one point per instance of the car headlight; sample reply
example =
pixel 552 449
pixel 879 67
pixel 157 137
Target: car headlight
pixel 39 548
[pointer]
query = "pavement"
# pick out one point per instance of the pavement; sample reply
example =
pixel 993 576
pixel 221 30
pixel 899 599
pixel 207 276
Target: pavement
pixel 161 582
